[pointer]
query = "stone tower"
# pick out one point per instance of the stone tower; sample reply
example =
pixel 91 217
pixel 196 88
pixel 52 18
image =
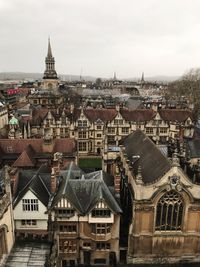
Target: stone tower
pixel 50 79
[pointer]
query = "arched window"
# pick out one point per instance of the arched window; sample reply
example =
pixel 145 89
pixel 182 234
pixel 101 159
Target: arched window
pixel 169 212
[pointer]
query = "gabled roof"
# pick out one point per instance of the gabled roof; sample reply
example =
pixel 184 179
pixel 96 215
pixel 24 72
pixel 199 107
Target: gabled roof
pixel 141 151
pixel 179 115
pixel 38 115
pixel 138 114
pixel 36 182
pixel 102 114
pixel 84 193
pixel 26 159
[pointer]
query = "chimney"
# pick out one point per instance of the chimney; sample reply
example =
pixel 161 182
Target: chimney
pixel 53 181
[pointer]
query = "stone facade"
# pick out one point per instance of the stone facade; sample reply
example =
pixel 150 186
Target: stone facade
pixel 6 217
pixel 163 211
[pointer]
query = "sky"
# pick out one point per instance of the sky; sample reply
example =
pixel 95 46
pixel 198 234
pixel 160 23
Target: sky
pixel 100 37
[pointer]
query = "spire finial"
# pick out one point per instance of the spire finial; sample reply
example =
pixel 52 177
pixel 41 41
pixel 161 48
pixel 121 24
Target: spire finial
pixel 49 53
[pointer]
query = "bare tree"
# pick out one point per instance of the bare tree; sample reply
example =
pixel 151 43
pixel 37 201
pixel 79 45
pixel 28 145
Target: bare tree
pixel 188 86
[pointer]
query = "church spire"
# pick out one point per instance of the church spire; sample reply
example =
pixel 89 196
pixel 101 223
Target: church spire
pixel 50 72
pixel 142 79
pixel 49 53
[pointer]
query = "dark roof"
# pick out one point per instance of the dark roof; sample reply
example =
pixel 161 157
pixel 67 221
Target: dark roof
pixel 151 160
pixel 193 148
pixel 2 190
pixel 84 193
pixel 38 182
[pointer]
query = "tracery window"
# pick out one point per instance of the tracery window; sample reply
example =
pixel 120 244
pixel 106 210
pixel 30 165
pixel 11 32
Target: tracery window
pixel 169 212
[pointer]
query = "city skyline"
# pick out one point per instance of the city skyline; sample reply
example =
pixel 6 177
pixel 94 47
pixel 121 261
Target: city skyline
pixel 98 38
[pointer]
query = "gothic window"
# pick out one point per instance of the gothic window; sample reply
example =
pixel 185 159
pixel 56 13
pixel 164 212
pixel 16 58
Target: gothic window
pixel 169 212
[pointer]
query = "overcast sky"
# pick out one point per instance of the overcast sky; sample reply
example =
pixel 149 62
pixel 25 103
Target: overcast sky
pixel 98 37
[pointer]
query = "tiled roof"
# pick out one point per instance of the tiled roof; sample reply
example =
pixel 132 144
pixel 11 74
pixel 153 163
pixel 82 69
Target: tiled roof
pixel 179 115
pixel 64 145
pixel 138 114
pixel 102 114
pixel 26 159
pixel 38 115
pixel 19 145
pixel 146 154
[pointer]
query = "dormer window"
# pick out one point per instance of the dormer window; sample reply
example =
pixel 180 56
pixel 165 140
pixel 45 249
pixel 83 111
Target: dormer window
pixel 65 212
pixel 101 210
pixel 101 213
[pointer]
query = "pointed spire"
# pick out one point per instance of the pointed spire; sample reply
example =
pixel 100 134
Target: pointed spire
pixel 115 76
pixel 49 53
pixel 142 79
pixel 50 72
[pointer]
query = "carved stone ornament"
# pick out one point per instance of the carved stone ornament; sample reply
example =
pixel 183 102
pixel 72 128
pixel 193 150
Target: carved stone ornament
pixel 174 183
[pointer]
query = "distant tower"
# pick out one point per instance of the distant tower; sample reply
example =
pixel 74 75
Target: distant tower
pixel 50 79
pixel 115 77
pixel 142 79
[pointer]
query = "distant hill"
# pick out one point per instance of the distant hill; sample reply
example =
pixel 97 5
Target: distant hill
pixel 158 78
pixel 38 76
pixel 66 77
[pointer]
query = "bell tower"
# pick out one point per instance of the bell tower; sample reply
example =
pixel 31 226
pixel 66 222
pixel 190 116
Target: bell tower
pixel 50 79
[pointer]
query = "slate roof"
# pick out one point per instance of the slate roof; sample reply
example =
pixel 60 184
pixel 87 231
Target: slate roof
pixel 193 148
pixel 1 183
pixel 179 115
pixel 38 182
pixel 151 160
pixel 84 193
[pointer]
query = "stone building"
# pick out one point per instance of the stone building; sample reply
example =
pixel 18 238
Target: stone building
pixel 85 219
pixel 161 204
pixel 48 95
pixel 3 115
pixel 98 129
pixel 6 216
